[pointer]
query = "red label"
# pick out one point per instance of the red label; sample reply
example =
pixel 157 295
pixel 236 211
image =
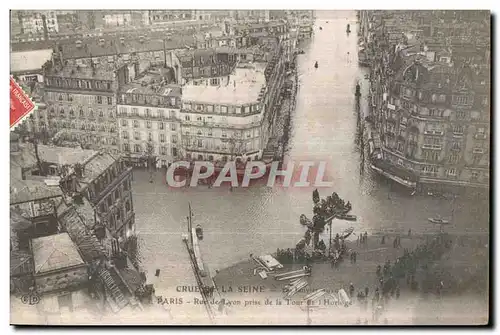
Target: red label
pixel 20 104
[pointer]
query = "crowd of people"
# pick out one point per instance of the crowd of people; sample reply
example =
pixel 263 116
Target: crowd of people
pixel 405 268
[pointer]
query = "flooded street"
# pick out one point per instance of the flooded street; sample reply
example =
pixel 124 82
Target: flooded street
pixel 260 219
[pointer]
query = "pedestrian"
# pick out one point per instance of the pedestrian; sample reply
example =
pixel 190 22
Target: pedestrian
pixel 383 240
pixel 354 255
pixel 377 295
pixel 351 289
pixel 367 290
pixel 398 292
pixel 366 237
pixel 395 243
pixel 379 271
pixel 358 240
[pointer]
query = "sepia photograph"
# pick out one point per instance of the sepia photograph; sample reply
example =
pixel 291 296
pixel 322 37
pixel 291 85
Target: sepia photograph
pixel 250 167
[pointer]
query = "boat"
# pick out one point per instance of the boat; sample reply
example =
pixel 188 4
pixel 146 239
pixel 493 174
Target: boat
pixel 316 64
pixel 320 28
pixel 347 217
pixel 199 232
pixel 438 221
pixel 346 233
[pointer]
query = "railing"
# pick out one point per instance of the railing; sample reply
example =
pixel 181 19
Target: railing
pixel 432 146
pixel 221 125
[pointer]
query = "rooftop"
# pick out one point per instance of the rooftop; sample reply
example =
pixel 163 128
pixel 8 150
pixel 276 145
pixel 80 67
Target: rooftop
pixel 244 87
pixel 30 190
pixel 152 82
pixel 54 252
pixel 87 243
pixel 82 72
pixel 25 61
pixel 64 156
pixel 124 45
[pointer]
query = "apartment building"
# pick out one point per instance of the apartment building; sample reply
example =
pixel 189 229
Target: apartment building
pixel 81 104
pixel 149 118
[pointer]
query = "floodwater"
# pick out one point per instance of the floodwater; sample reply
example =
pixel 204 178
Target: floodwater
pixel 260 219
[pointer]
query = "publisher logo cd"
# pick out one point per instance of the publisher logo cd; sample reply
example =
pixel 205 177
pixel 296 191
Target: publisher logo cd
pixel 30 299
pixel 20 104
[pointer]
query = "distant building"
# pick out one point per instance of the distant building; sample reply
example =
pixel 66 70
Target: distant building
pixel 205 64
pixel 148 117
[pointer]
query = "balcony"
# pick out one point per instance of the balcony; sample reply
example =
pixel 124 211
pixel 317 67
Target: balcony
pixel 478 151
pixel 432 146
pixel 434 132
pixel 458 134
pixel 456 148
pixel 480 136
pixel 221 125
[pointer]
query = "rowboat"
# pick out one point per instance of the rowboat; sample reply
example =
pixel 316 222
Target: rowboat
pixel 438 221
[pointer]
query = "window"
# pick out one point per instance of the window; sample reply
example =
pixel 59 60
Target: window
pixel 161 125
pixel 174 151
pixel 458 129
pixel 110 100
pixel 200 143
pixel 125 134
pixel 461 115
pixel 431 155
pixel 135 111
pixel 137 135
pixel 148 112
pixel 174 138
pixel 187 118
pixel 173 127
pixel 148 124
pixel 172 101
pixel 123 110
pixel 223 109
pixel 161 113
pixel 238 110
pixel 150 137
pixel 163 150
pixel 214 81
pixel 453 158
pixel 99 99
pixel 136 124
pixel 162 138
pixel 124 123
pixel 210 108
pixel 474 175
pixel 137 148
pixel 101 113
pixel 199 108
pixel 451 172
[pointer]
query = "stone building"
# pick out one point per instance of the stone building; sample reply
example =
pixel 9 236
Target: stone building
pixel 431 107
pixel 81 104
pixel 149 118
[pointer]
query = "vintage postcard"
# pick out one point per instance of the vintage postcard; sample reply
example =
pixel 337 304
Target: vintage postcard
pixel 250 167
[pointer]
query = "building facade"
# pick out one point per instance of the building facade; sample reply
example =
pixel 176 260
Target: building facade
pixel 81 104
pixel 149 119
pixel 430 105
